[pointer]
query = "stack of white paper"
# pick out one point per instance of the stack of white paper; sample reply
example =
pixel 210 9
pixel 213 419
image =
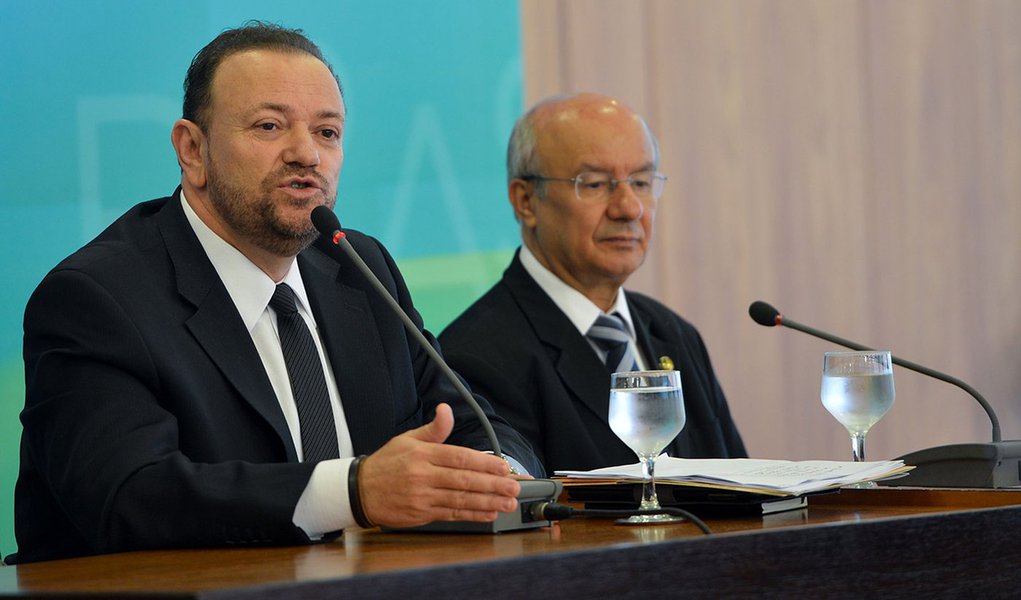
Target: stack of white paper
pixel 777 477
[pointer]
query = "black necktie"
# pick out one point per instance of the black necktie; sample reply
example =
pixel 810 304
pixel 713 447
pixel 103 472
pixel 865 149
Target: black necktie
pixel 315 416
pixel 611 337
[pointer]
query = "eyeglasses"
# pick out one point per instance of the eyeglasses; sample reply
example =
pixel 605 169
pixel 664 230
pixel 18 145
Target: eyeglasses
pixel 593 186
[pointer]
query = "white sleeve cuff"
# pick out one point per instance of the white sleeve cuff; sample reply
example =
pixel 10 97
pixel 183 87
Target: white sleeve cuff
pixel 324 506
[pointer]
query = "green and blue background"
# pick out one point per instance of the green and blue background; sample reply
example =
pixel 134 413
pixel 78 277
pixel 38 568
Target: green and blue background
pixel 90 89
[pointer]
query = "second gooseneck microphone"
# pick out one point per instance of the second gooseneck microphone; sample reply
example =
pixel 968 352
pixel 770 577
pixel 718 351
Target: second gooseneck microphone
pixel 764 314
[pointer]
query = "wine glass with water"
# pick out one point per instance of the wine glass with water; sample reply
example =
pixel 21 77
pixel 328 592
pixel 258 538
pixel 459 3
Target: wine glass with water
pixel 647 413
pixel 857 389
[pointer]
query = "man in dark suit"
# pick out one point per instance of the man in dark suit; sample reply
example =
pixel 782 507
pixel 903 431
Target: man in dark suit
pixel 584 186
pixel 163 408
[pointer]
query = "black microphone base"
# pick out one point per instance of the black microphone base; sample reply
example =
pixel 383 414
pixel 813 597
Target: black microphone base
pixel 975 465
pixel 533 491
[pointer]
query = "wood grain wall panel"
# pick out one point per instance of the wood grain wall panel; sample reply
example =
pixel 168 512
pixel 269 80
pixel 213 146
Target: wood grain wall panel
pixel 943 84
pixel 854 162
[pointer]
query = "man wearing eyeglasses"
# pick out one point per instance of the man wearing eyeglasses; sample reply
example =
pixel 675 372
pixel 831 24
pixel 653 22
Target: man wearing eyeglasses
pixel 583 181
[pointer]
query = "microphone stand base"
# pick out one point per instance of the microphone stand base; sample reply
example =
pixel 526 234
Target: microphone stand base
pixel 973 465
pixel 533 491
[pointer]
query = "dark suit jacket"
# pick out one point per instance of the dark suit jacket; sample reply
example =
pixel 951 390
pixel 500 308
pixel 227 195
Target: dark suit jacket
pixel 149 420
pixel 520 351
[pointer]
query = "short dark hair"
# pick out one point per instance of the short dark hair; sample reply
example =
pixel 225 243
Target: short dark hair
pixel 253 35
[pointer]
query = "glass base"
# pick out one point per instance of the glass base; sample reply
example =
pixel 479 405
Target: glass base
pixel 651 520
pixel 862 485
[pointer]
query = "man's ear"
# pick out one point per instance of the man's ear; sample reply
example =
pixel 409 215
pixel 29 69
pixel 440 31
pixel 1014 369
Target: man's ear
pixel 523 198
pixel 190 144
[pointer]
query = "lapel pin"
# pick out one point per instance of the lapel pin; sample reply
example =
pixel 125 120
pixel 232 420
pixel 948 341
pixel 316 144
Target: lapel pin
pixel 666 363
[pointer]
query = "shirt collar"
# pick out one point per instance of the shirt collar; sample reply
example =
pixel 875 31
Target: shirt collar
pixel 581 311
pixel 248 286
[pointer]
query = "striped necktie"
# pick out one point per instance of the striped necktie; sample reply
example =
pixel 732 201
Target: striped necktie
pixel 610 336
pixel 305 369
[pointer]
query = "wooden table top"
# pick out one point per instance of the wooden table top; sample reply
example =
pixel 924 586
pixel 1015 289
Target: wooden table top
pixel 367 552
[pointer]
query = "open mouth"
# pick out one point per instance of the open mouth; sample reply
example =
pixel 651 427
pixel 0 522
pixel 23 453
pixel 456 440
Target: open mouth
pixel 299 185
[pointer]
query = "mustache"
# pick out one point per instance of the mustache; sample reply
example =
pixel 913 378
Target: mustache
pixel 287 172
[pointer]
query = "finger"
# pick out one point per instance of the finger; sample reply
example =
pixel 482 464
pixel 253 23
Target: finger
pixel 461 505
pixel 437 430
pixel 473 482
pixel 443 494
pixel 458 457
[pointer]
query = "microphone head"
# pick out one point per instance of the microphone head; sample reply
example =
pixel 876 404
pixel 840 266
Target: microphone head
pixel 764 314
pixel 325 221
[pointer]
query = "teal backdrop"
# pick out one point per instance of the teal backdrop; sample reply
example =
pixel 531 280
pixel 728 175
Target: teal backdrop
pixel 90 89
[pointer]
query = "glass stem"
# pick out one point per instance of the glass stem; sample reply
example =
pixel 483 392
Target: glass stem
pixel 649 500
pixel 858 446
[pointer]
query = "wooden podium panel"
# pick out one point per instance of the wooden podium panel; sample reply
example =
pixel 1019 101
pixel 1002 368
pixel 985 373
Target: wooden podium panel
pixel 894 541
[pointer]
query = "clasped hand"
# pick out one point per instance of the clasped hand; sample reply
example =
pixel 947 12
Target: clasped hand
pixel 416 479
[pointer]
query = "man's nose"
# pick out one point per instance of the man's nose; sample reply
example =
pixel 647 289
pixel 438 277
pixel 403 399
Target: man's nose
pixel 301 149
pixel 624 203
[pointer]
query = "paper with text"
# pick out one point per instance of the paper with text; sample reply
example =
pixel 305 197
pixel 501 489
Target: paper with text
pixel 776 476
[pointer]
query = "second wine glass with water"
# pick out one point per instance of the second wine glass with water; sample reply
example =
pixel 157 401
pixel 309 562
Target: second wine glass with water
pixel 857 389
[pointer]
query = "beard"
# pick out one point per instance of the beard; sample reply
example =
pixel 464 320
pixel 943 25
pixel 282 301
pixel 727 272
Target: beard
pixel 258 218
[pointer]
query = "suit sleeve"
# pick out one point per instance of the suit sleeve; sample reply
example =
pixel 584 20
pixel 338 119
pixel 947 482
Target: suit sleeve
pixel 491 380
pixel 434 388
pixel 101 446
pixel 732 441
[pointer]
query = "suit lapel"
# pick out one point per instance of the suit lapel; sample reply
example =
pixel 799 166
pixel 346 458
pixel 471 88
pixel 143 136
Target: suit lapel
pixel 660 354
pixel 580 369
pixel 348 330
pixel 216 324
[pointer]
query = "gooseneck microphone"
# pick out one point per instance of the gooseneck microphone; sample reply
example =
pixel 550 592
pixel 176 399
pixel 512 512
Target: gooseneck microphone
pixel 532 491
pixel 992 465
pixel 327 223
pixel 764 314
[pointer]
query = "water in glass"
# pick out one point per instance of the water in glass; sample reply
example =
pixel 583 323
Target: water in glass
pixel 858 401
pixel 647 419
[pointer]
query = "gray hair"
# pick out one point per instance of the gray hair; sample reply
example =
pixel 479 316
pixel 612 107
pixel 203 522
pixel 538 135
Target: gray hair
pixel 522 158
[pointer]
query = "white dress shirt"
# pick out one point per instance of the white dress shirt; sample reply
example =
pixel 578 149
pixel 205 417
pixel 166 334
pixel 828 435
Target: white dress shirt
pixel 324 505
pixel 581 311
